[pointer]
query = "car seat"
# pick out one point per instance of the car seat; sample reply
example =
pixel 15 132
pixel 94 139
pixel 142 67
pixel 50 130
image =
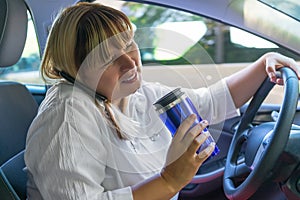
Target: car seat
pixel 17 105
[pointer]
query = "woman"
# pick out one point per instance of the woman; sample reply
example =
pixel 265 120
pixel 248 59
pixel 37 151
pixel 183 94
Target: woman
pixel 96 135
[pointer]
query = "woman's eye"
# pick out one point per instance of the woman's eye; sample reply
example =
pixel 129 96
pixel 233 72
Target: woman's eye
pixel 129 45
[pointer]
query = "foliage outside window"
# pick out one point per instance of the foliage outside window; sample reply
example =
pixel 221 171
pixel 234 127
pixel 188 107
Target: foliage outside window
pixel 210 42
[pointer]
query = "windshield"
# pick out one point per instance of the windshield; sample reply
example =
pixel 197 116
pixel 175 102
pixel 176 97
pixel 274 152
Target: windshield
pixel 288 7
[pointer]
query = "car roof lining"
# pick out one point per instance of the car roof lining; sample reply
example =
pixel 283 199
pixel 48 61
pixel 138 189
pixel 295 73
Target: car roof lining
pixel 230 12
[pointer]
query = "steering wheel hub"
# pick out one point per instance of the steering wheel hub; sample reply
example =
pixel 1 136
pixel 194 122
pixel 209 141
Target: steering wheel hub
pixel 257 141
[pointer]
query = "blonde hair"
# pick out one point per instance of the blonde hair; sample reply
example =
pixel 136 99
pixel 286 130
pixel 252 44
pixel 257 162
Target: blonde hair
pixel 77 31
pixel 75 34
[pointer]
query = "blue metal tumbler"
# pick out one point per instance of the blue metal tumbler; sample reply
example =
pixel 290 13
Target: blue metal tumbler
pixel 173 108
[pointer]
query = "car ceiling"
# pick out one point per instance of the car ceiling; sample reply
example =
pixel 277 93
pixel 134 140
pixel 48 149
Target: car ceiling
pixel 232 12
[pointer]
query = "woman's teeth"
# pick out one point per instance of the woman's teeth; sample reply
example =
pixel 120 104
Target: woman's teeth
pixel 130 78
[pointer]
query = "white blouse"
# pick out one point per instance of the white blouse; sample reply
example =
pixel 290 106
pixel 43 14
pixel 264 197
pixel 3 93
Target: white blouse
pixel 73 153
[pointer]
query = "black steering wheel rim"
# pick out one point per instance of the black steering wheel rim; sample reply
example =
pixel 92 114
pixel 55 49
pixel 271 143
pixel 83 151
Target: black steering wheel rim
pixel 263 169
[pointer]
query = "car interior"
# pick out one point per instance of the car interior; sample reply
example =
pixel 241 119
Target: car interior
pixel 18 107
pixel 19 104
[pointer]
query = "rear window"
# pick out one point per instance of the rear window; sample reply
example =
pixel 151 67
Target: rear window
pixel 26 70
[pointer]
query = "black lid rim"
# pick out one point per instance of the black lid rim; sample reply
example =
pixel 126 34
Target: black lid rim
pixel 168 98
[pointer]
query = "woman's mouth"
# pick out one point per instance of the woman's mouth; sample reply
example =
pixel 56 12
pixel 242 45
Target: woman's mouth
pixel 131 79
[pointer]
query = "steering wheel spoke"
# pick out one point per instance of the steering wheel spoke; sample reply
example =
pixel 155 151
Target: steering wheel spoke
pixel 242 170
pixel 261 149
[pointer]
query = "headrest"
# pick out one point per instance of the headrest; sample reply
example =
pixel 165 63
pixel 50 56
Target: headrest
pixel 13 31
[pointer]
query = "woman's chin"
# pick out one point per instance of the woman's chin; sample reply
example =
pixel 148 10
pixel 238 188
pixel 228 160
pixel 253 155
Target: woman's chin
pixel 128 90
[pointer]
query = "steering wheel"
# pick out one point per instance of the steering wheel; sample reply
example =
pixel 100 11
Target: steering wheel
pixel 262 144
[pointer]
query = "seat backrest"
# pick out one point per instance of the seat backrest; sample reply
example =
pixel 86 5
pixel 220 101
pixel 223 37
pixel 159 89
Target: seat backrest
pixel 17 105
pixel 17 110
pixel 13 178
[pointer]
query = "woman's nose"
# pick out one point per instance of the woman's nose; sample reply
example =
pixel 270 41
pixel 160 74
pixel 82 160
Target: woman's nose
pixel 126 62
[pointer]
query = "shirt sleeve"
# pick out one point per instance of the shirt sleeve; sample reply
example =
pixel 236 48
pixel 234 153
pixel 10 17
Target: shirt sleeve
pixel 67 157
pixel 214 103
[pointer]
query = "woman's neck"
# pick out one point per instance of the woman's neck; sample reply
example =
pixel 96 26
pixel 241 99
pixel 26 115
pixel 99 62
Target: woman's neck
pixel 121 104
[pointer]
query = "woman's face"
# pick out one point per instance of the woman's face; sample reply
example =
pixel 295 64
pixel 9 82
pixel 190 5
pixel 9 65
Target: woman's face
pixel 120 78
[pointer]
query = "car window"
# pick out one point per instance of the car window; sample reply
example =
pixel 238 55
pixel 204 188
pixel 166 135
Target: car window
pixel 288 7
pixel 169 37
pixel 223 43
pixel 183 49
pixel 26 70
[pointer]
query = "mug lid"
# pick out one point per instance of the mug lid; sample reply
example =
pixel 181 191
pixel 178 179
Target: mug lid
pixel 168 98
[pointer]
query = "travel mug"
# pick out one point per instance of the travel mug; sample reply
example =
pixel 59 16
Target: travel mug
pixel 173 108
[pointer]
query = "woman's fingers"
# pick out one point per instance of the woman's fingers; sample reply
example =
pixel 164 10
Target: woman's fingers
pixel 184 127
pixel 275 61
pixel 194 132
pixel 186 140
pixel 183 161
pixel 198 140
pixel 205 153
